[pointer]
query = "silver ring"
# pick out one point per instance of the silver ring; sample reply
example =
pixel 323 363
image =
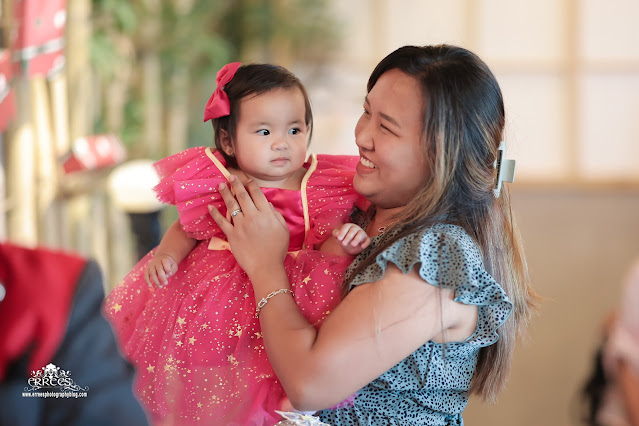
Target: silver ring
pixel 236 212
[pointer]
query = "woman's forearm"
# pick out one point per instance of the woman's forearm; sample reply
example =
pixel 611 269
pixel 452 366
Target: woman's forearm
pixel 288 337
pixel 371 330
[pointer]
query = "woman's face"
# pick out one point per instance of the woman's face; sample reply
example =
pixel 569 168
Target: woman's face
pixel 392 165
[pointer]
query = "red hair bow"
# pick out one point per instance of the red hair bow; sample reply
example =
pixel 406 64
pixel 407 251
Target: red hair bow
pixel 219 104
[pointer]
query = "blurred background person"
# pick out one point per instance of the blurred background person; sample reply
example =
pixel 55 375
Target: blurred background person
pixel 50 320
pixel 612 391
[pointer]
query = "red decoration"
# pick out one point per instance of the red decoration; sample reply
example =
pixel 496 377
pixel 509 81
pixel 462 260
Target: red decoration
pixel 40 284
pixel 7 101
pixel 94 152
pixel 39 36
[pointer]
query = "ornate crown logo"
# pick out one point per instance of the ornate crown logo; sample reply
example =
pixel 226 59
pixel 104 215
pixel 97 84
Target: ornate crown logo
pixel 52 376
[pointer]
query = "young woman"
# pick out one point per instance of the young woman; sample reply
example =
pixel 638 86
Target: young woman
pixel 433 304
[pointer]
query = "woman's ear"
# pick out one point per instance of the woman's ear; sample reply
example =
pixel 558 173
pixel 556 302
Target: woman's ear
pixel 225 142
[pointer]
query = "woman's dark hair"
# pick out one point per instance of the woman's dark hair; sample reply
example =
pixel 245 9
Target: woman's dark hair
pixel 463 125
pixel 593 389
pixel 254 80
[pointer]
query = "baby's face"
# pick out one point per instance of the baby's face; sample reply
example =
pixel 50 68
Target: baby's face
pixel 271 136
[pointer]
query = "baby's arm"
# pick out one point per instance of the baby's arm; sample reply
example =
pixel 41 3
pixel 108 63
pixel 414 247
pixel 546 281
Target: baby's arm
pixel 348 240
pixel 173 249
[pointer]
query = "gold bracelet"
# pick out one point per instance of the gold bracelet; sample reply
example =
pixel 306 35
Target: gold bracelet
pixel 264 300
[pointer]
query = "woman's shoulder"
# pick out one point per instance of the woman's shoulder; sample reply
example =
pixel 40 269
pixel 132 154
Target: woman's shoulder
pixel 444 255
pixel 440 246
pixel 447 232
pixel 437 243
pixel 452 239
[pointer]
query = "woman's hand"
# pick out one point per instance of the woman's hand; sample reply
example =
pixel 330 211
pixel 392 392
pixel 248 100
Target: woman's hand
pixel 258 235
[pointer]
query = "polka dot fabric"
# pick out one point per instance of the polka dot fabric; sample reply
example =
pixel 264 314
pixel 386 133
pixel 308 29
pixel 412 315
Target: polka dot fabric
pixel 430 386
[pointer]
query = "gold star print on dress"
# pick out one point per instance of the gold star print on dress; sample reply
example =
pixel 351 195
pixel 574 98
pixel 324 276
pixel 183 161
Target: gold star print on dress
pixel 200 330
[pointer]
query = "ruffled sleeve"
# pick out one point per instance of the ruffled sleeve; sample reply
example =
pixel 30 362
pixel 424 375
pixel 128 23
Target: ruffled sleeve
pixel 331 196
pixel 449 259
pixel 189 180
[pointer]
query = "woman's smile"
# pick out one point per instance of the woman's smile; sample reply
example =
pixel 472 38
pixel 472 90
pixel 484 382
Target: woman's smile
pixel 365 166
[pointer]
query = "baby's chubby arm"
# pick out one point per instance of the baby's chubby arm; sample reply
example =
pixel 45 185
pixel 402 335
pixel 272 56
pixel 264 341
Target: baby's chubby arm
pixel 347 240
pixel 173 249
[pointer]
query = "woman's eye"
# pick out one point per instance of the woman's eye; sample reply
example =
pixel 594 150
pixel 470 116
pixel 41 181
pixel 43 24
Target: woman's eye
pixel 366 112
pixel 386 129
pixel 294 131
pixel 263 132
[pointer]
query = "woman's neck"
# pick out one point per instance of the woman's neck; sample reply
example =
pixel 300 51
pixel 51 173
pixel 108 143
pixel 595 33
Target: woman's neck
pixel 382 220
pixel 291 182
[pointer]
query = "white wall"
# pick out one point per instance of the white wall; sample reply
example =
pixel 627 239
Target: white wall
pixel 569 70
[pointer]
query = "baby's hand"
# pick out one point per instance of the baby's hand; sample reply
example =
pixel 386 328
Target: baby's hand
pixel 159 270
pixel 351 238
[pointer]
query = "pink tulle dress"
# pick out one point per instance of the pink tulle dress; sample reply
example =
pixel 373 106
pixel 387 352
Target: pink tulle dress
pixel 196 343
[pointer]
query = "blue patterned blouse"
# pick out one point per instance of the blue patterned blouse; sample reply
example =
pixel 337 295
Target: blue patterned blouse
pixel 430 387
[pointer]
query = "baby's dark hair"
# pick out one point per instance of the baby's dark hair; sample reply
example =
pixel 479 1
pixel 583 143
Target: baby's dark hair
pixel 254 80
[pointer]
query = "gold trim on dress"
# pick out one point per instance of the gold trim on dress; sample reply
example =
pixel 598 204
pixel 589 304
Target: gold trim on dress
pixel 218 244
pixel 217 163
pixel 307 175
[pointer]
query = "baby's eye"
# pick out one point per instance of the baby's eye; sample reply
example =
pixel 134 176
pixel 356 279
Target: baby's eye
pixel 263 132
pixel 294 131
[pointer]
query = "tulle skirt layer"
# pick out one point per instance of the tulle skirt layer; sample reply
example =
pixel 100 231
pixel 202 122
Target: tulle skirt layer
pixel 196 343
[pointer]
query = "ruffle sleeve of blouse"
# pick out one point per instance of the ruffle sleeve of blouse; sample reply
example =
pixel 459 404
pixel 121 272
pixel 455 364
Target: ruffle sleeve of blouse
pixel 449 258
pixel 189 180
pixel 331 196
